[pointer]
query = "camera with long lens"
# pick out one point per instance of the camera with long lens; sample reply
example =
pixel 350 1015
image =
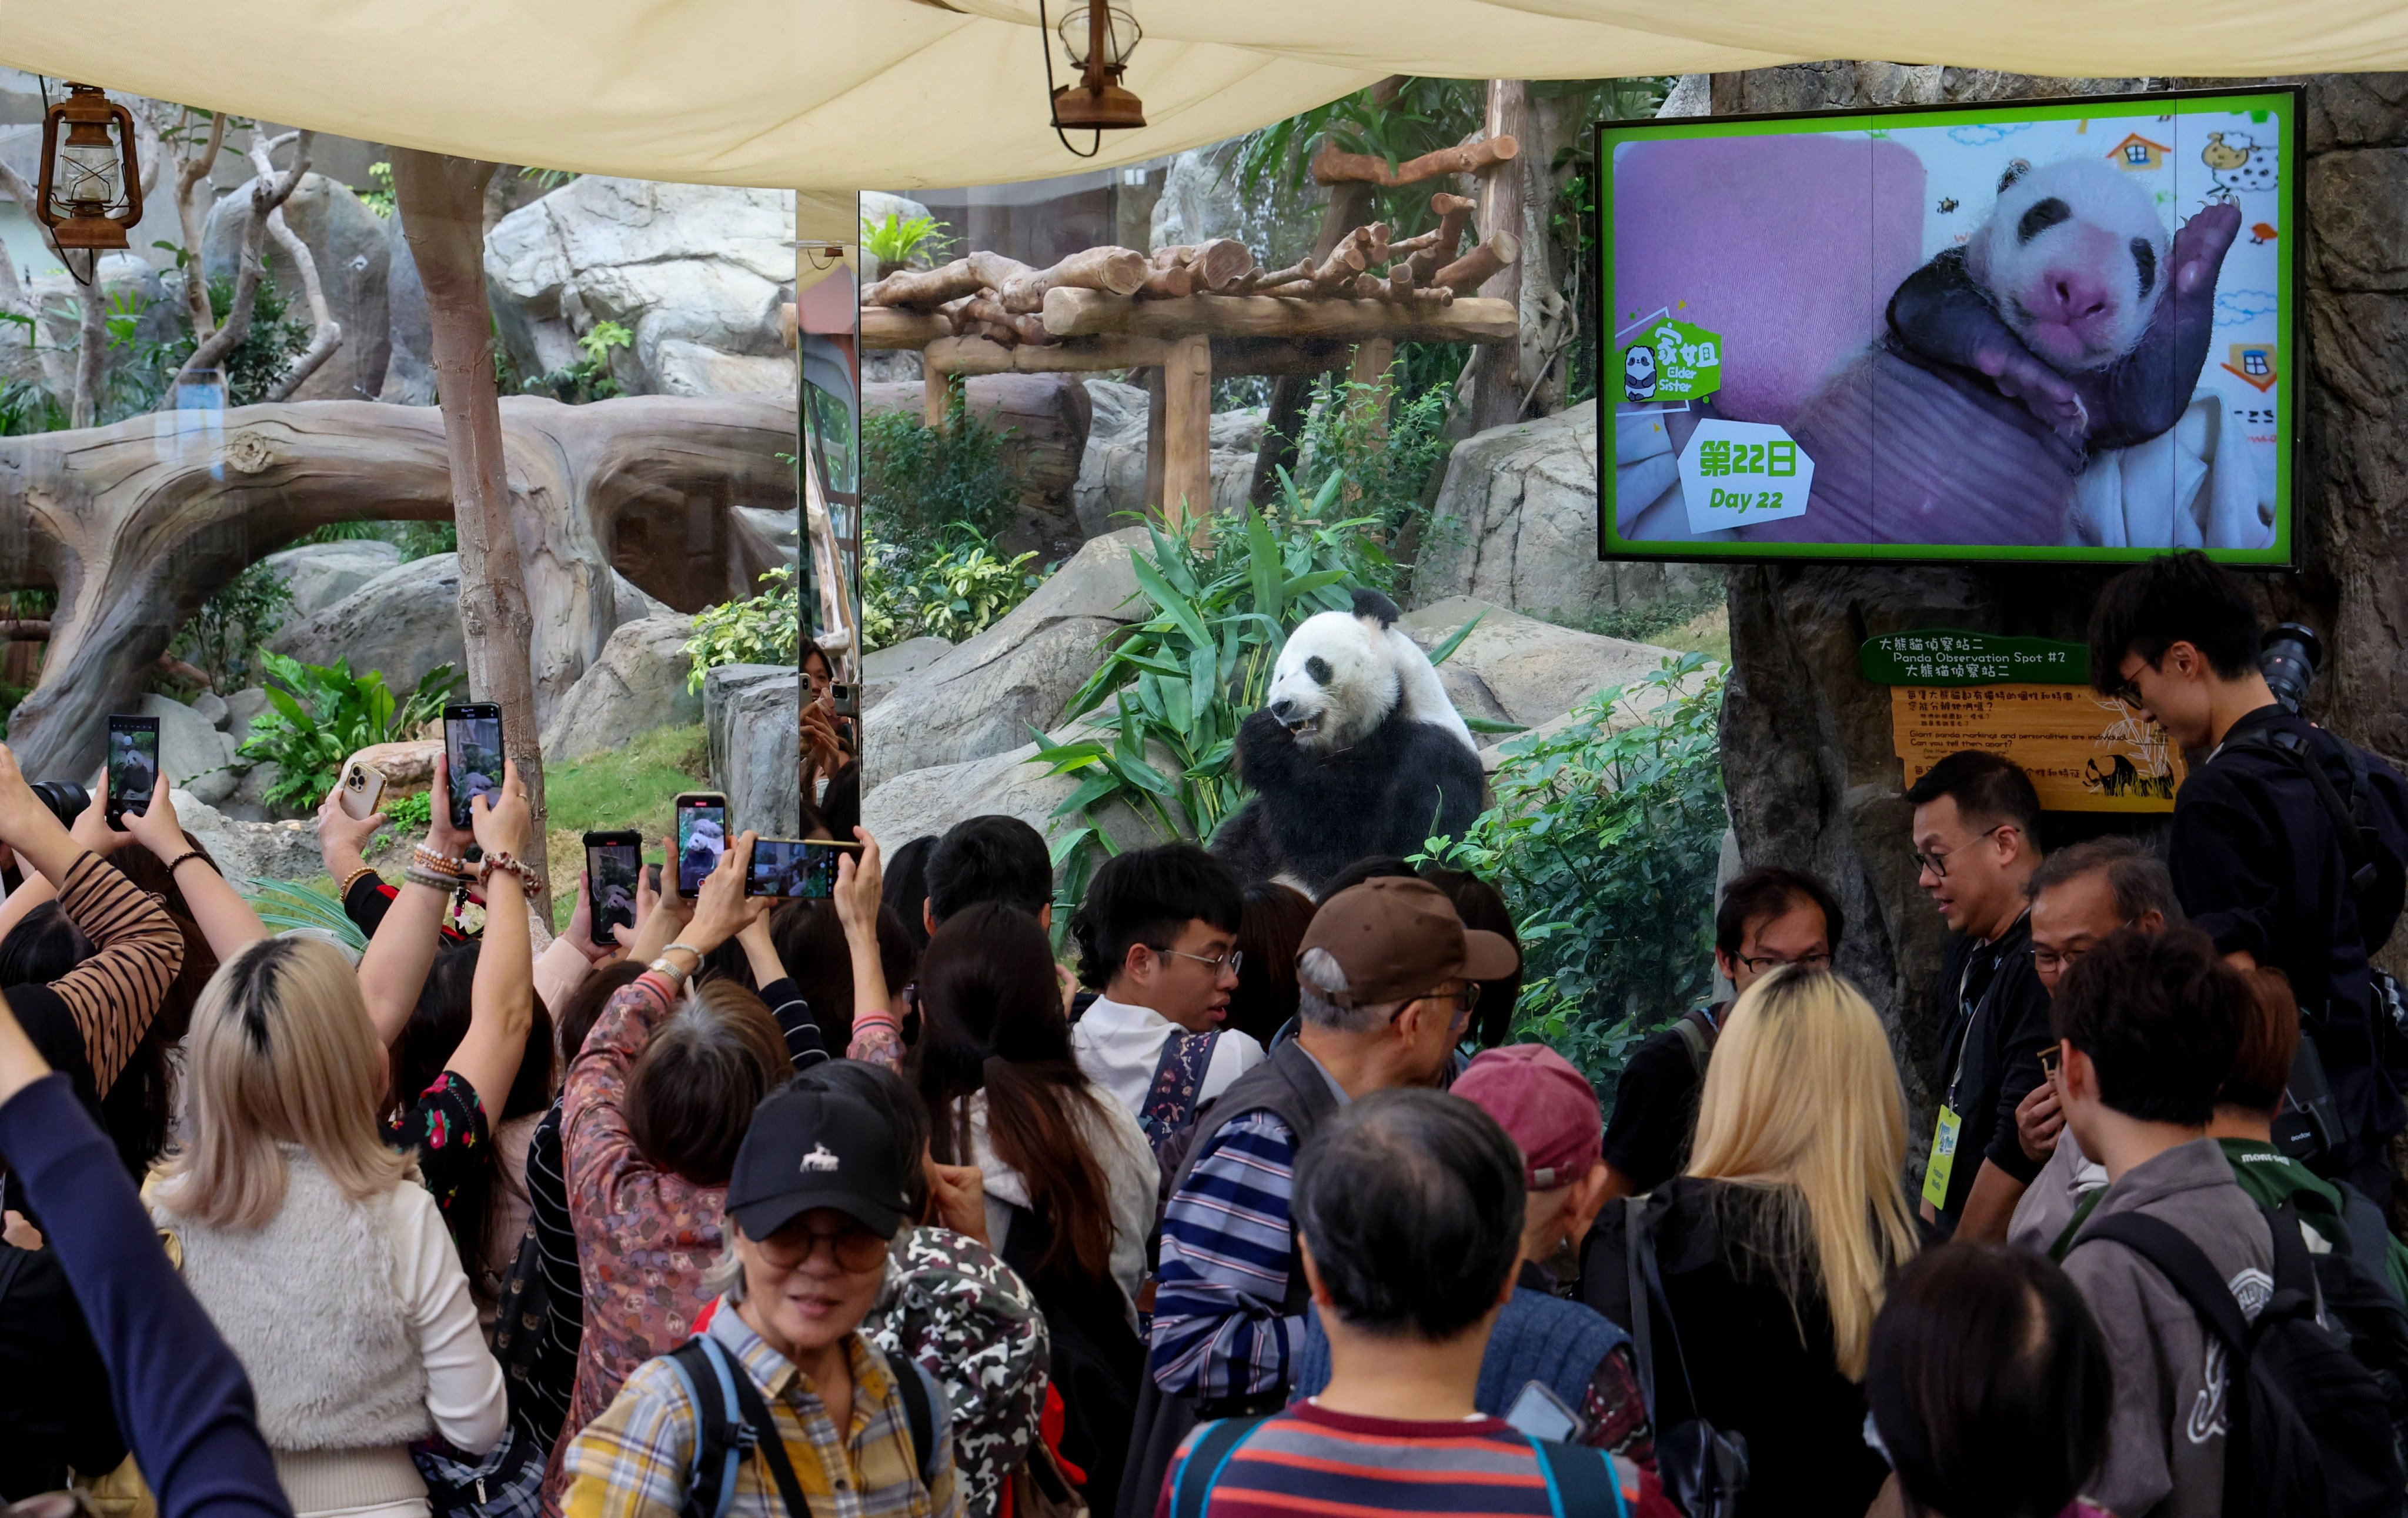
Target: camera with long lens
pixel 66 800
pixel 2288 657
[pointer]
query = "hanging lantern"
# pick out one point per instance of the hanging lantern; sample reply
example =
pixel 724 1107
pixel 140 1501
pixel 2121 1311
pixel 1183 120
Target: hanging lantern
pixel 1099 39
pixel 91 185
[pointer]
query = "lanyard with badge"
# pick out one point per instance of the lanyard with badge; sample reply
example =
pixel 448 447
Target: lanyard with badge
pixel 1944 1131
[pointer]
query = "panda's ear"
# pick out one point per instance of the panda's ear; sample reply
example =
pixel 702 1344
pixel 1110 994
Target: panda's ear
pixel 2015 170
pixel 1377 606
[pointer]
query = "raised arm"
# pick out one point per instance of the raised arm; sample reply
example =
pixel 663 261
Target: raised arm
pixel 876 1038
pixel 501 1006
pixel 393 969
pixel 223 917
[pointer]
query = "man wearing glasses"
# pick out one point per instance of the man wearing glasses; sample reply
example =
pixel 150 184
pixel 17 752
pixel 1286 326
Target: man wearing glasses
pixel 1767 918
pixel 1385 984
pixel 1974 852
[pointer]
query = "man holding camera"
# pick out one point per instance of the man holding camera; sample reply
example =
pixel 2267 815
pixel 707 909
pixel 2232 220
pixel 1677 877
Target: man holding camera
pixel 2287 842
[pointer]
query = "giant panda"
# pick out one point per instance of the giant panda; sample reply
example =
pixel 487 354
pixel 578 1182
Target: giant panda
pixel 1356 750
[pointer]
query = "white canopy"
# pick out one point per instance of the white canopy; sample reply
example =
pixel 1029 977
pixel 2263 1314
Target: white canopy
pixel 834 95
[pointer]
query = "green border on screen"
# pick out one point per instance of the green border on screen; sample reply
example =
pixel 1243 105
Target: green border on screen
pixel 2281 101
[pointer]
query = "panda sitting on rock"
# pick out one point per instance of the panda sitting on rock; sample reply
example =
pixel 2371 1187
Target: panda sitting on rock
pixel 1356 750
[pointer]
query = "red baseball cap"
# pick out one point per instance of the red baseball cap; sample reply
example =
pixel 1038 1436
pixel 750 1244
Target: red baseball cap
pixel 1548 1107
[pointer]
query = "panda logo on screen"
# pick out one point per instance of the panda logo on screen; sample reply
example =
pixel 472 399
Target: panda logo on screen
pixel 1356 750
pixel 1639 373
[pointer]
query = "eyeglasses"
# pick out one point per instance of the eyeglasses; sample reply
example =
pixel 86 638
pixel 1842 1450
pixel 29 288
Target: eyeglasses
pixel 2053 961
pixel 2049 1059
pixel 1767 964
pixel 1231 960
pixel 853 1247
pixel 1937 861
pixel 1463 1001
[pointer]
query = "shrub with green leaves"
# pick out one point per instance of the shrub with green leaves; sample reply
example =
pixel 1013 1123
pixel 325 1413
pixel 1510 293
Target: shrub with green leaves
pixel 1604 838
pixel 896 240
pixel 222 639
pixel 320 715
pixel 589 377
pixel 760 629
pixel 1388 453
pixel 967 588
pixel 917 483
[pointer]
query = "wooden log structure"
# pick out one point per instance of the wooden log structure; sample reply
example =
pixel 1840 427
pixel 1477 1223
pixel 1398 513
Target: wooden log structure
pixel 1467 272
pixel 1086 313
pixel 1331 166
pixel 1117 271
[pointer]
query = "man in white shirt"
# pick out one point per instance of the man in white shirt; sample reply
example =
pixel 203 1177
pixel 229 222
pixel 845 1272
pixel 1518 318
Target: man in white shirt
pixel 1158 935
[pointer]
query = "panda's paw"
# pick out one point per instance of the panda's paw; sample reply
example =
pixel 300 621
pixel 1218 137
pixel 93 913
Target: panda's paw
pixel 2046 393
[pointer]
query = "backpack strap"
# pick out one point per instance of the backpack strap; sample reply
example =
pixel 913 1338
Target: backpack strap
pixel 1580 1481
pixel 1169 1102
pixel 919 1396
pixel 1694 1039
pixel 771 1444
pixel 2352 820
pixel 1647 1298
pixel 1198 1471
pixel 2185 1266
pixel 721 1437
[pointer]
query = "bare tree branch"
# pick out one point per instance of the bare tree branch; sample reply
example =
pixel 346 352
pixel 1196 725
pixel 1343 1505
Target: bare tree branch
pixel 268 193
pixel 192 174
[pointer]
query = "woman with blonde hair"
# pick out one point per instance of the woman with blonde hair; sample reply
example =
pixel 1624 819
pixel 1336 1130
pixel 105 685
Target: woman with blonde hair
pixel 306 1235
pixel 1775 1251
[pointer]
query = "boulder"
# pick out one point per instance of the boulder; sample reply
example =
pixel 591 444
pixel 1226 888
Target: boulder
pixel 983 697
pixel 1111 471
pixel 1515 523
pixel 403 623
pixel 192 751
pixel 689 264
pixel 630 602
pixel 212 708
pixel 241 707
pixel 636 685
pixel 407 765
pixel 1199 201
pixel 409 371
pixel 929 801
pixel 250 851
pixel 1519 669
pixel 1048 419
pixel 882 670
pixel 688 368
pixel 753 715
pixel 352 248
pixel 320 574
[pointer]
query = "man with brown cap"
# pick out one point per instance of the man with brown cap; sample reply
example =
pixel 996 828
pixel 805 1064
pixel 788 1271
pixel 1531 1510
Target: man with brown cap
pixel 1385 982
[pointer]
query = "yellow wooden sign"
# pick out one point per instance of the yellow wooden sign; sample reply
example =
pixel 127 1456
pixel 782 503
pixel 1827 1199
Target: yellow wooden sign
pixel 2083 751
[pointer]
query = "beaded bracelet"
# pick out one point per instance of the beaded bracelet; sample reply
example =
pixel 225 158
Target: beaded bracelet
pixel 438 861
pixel 445 883
pixel 193 854
pixel 504 862
pixel 354 878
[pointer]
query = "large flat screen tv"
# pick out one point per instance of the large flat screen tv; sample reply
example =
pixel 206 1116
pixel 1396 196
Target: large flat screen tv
pixel 2058 330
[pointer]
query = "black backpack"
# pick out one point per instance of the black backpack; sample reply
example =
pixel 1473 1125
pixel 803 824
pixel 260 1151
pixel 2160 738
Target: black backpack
pixel 2308 1434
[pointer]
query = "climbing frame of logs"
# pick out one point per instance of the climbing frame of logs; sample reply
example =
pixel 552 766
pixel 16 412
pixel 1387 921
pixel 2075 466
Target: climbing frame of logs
pixel 1188 313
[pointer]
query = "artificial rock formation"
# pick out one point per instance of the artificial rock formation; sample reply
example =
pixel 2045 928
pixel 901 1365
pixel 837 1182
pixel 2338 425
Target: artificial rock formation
pixel 135 527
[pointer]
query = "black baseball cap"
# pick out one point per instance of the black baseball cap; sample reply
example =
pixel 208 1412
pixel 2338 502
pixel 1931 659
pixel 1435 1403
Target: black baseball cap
pixel 816 1149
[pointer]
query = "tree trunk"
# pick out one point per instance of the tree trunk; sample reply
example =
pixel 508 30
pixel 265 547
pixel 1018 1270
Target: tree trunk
pixel 135 532
pixel 1496 389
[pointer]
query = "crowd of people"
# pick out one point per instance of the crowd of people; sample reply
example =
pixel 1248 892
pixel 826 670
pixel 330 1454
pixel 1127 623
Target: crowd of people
pixel 872 1205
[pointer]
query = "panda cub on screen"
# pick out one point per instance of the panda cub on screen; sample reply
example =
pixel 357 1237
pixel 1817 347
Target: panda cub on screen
pixel 1356 750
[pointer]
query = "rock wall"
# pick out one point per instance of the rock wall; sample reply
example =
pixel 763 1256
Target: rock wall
pixel 354 250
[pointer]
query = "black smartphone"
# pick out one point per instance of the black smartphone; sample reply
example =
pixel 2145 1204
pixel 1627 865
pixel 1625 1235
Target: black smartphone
pixel 803 868
pixel 613 862
pixel 133 766
pixel 472 756
pixel 701 838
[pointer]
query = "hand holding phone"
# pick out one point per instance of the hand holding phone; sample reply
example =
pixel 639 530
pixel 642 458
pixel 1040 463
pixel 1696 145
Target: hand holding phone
pixel 472 756
pixel 360 788
pixel 794 867
pixel 613 868
pixel 701 838
pixel 133 766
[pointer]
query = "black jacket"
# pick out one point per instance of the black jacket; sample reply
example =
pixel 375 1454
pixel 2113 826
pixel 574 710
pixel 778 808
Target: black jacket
pixel 2257 866
pixel 1994 1016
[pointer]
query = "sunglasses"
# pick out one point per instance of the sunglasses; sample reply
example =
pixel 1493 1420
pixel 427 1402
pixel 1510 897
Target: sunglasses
pixel 853 1247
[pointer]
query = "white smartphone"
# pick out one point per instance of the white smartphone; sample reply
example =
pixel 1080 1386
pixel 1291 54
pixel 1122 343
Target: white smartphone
pixel 1542 1414
pixel 363 788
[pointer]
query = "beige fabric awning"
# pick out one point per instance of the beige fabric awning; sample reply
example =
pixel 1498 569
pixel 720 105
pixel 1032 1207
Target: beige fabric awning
pixel 899 94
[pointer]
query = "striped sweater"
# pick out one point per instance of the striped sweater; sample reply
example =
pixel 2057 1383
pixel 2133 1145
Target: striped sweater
pixel 1228 1240
pixel 1309 1462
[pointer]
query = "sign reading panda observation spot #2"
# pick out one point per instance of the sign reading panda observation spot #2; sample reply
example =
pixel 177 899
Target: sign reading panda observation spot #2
pixel 2026 699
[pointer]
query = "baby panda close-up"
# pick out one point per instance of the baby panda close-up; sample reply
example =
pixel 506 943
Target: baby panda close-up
pixel 2074 299
pixel 1356 750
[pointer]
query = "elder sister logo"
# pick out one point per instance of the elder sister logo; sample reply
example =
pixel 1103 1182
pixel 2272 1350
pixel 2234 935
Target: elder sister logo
pixel 1735 474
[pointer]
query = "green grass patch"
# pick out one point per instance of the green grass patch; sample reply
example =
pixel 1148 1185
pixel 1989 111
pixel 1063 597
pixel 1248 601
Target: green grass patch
pixel 630 787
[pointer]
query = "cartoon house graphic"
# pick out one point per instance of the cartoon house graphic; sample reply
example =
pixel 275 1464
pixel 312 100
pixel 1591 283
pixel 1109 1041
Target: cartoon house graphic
pixel 2137 152
pixel 2255 362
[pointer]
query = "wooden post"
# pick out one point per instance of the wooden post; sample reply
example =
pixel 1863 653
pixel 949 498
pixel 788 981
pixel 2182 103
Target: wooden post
pixel 1496 391
pixel 1370 367
pixel 1187 436
pixel 936 394
pixel 1157 421
pixel 442 203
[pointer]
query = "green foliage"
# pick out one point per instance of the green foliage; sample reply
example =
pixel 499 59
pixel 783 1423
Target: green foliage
pixel 962 591
pixel 222 637
pixel 761 629
pixel 319 715
pixel 917 483
pixel 1424 116
pixel 548 179
pixel 589 378
pixel 411 814
pixel 1604 839
pixel 28 406
pixel 1177 685
pixel 1386 461
pixel 284 906
pixel 265 352
pixel 416 539
pixel 380 199
pixel 896 240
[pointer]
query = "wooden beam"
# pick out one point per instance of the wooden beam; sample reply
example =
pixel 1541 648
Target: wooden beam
pixel 1187 435
pixel 935 394
pixel 891 327
pixel 1154 434
pixel 1084 313
pixel 1331 166
pixel 980 355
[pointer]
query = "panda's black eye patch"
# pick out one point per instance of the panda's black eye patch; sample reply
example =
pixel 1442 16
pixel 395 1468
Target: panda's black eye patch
pixel 2144 258
pixel 2043 215
pixel 1318 668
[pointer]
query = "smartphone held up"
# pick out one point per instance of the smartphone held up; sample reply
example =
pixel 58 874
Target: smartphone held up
pixel 133 766
pixel 804 868
pixel 472 756
pixel 613 864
